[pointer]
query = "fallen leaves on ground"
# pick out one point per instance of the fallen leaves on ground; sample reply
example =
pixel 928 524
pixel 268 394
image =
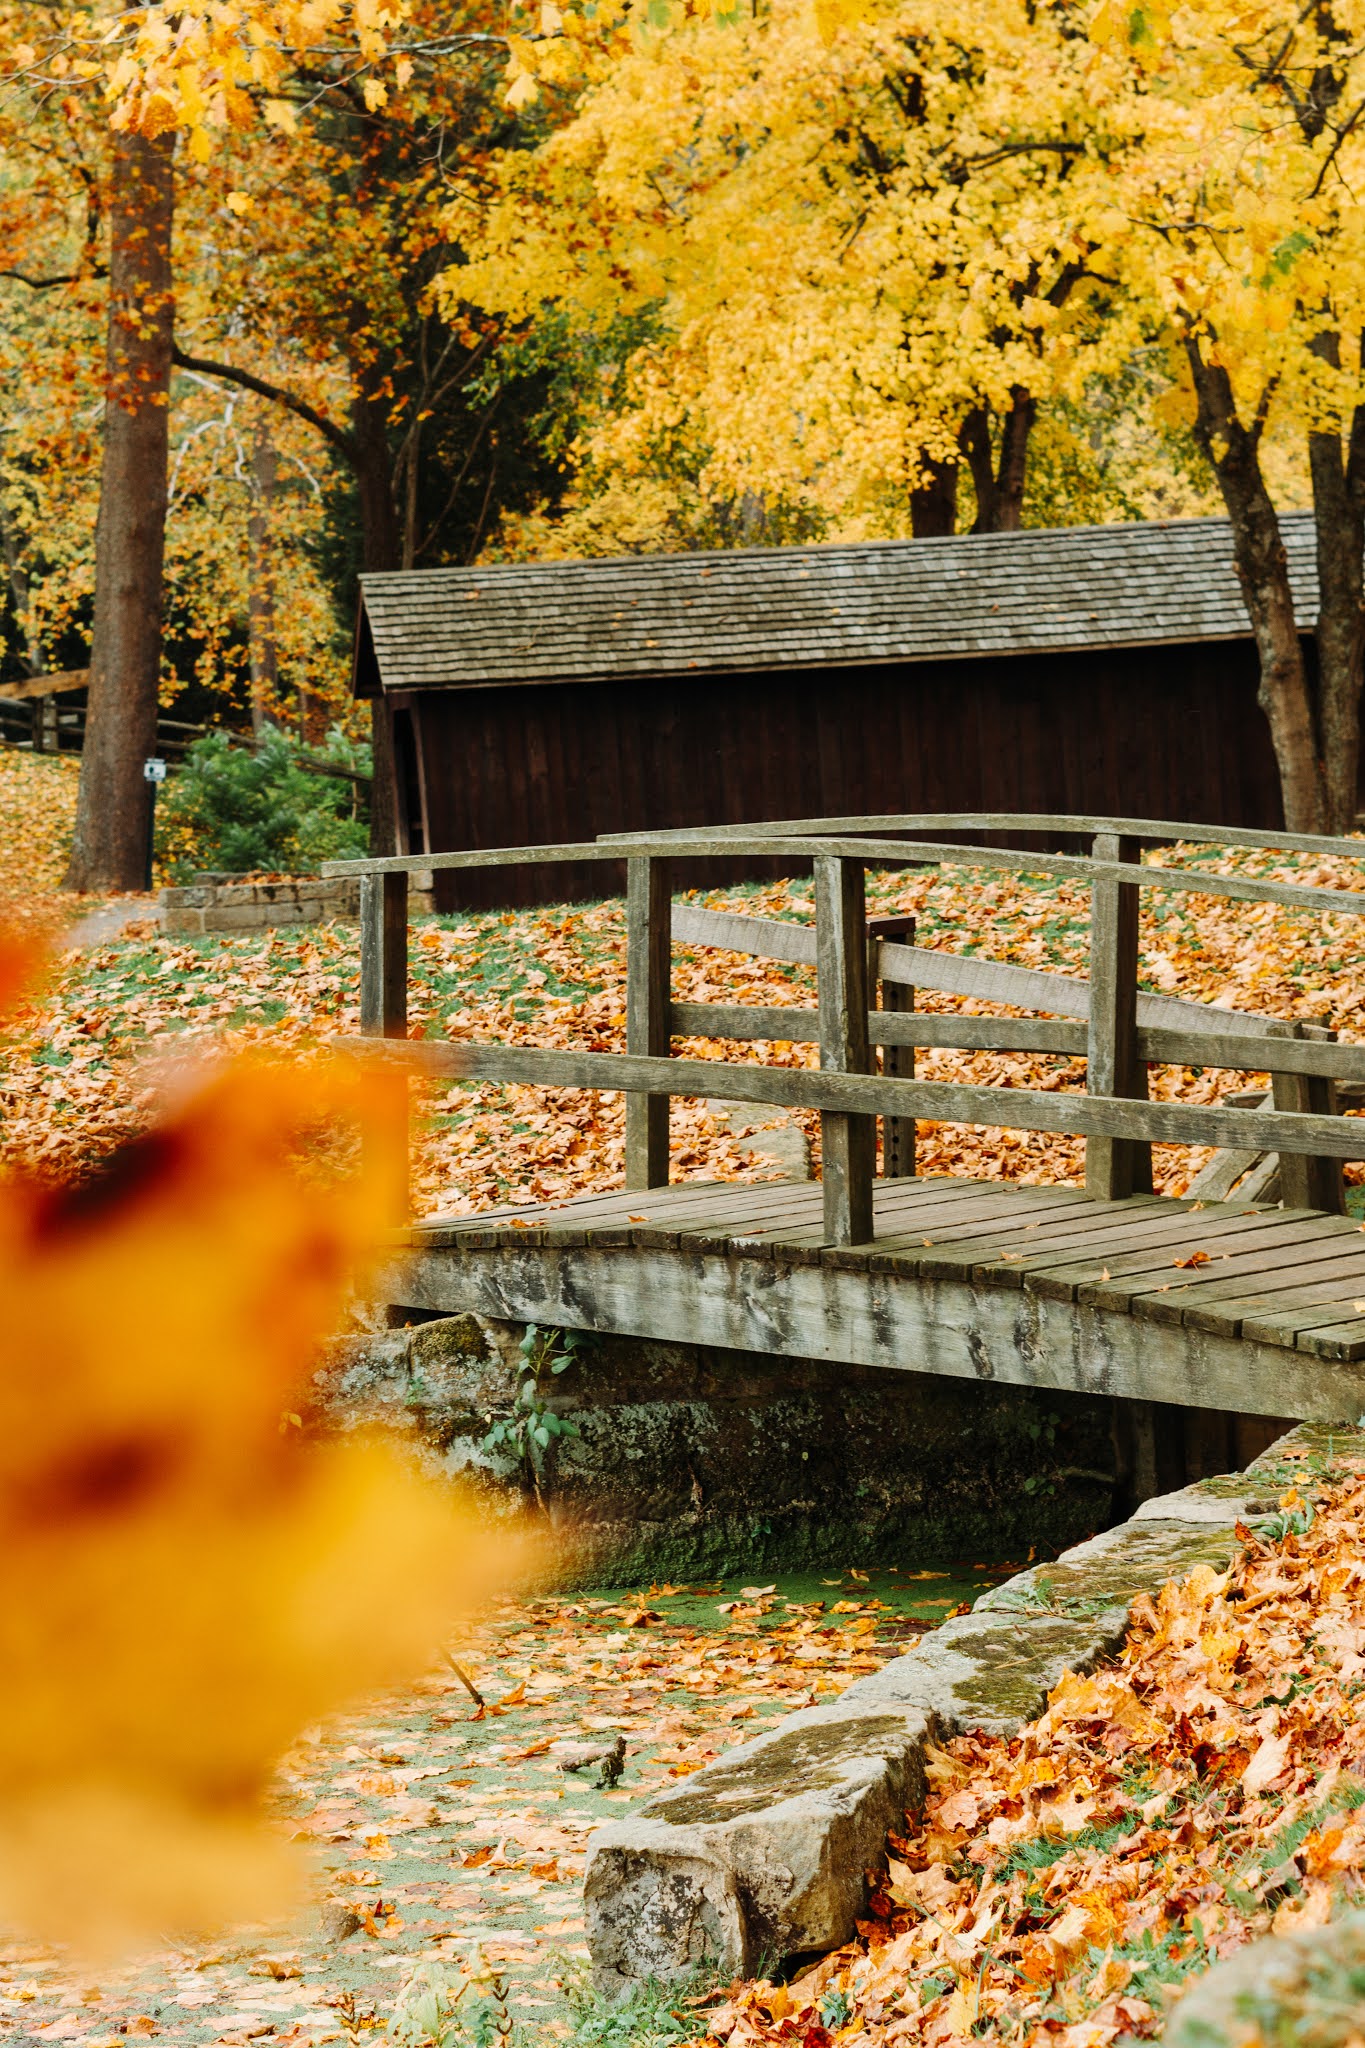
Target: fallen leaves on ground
pixel 76 1078
pixel 440 1833
pixel 1065 1885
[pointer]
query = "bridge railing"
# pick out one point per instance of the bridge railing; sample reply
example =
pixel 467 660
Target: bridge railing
pixel 866 976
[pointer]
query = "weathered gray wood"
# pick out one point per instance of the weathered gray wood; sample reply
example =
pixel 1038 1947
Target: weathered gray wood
pixel 1308 1180
pixel 766 938
pixel 968 974
pixel 815 1310
pixel 895 1004
pixel 648 955
pixel 384 955
pixel 889 853
pixel 1114 1167
pixel 1020 1109
pixel 847 1142
pixel 1161 831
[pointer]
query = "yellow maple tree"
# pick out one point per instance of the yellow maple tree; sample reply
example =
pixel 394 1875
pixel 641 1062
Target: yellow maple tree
pixel 1246 232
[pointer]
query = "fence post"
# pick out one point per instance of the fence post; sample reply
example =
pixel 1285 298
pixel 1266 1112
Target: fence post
pixel 649 951
pixel 384 998
pixel 848 1143
pixel 898 1132
pixel 384 955
pixel 1115 1167
pixel 1306 1180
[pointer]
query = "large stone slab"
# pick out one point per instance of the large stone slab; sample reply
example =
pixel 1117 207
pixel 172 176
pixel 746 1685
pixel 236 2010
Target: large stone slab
pixel 764 1853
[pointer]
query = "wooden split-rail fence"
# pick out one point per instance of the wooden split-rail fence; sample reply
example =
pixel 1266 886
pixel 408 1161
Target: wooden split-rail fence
pixel 878 1229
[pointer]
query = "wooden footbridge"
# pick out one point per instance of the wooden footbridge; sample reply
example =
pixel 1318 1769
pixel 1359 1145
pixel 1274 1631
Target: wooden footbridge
pixel 1235 1304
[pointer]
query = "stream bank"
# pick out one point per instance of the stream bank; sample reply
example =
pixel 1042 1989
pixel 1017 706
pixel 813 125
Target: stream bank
pixel 678 1460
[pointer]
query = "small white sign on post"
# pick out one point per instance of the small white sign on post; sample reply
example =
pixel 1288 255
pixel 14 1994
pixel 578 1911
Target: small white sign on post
pixel 154 771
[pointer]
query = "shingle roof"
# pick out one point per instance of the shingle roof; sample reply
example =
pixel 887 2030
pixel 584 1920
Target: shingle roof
pixel 1040 591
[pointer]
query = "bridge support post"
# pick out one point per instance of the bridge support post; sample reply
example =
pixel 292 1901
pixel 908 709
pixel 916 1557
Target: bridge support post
pixel 1115 1167
pixel 384 955
pixel 384 1002
pixel 848 1143
pixel 1307 1181
pixel 649 954
pixel 898 1061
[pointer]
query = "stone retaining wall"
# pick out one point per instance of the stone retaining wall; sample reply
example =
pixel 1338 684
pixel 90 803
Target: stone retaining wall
pixel 762 1855
pixel 226 904
pixel 692 1460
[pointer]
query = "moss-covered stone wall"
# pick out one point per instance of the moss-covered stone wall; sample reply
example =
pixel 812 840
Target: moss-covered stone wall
pixel 691 1460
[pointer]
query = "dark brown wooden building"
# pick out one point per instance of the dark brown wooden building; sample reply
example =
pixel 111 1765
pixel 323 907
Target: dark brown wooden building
pixel 1102 669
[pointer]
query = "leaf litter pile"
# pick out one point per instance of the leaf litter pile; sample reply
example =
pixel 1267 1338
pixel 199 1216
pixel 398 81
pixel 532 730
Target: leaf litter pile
pixel 447 1835
pixel 1206 1788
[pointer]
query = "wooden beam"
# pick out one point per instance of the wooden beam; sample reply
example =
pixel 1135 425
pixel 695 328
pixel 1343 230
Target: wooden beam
pixel 797 1024
pixel 1163 831
pixel 895 1004
pixel 1307 1180
pixel 964 974
pixel 847 1142
pixel 887 853
pixel 648 954
pixel 45 686
pixel 1018 1109
pixel 952 1327
pixel 384 955
pixel 1114 1167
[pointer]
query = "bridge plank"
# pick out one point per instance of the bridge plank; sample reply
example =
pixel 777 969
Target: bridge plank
pixel 958 1242
pixel 1324 1299
pixel 1112 1281
pixel 1141 1244
pixel 1344 1341
pixel 1316 1268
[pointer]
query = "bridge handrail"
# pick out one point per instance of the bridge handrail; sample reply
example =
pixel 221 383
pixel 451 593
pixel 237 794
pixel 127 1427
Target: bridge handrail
pixel 877 853
pixel 1160 831
pixel 1104 1018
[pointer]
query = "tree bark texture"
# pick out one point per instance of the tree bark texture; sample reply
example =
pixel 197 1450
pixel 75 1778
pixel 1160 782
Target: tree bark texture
pixel 999 481
pixel 933 503
pixel 1233 451
pixel 109 850
pixel 1339 519
pixel 262 646
pixel 381 547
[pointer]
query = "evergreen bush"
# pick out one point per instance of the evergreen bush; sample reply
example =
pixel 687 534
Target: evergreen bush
pixel 239 810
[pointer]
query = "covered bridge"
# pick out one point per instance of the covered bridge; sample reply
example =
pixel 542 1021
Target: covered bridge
pixel 1093 669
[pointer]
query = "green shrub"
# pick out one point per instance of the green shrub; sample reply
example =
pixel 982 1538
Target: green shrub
pixel 241 811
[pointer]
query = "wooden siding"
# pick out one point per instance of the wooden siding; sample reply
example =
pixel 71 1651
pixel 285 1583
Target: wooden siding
pixel 1170 731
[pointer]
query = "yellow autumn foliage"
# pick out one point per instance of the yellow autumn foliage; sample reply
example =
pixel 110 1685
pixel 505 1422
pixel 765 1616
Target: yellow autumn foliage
pixel 187 1580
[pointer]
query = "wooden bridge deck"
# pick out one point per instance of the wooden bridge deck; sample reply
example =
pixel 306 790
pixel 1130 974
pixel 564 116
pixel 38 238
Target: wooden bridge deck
pixel 1242 1305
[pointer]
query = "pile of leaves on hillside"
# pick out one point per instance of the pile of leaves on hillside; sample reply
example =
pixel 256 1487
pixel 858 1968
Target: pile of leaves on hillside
pixel 242 809
pixel 1065 1885
pixel 37 813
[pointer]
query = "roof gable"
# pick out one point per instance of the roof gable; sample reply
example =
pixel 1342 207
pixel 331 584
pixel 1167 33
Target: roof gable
pixel 956 599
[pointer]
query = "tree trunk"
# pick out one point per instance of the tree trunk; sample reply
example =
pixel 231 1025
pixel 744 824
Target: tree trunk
pixel 1339 520
pixel 933 503
pixel 999 482
pixel 262 646
pixel 381 548
pixel 109 850
pixel 1233 451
